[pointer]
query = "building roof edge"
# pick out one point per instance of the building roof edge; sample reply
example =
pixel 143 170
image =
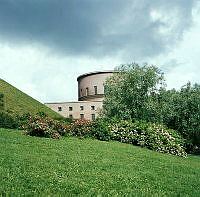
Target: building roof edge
pixel 73 102
pixel 94 73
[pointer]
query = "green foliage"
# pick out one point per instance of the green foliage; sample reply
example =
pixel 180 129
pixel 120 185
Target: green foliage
pixel 17 102
pixel 1 101
pixel 79 128
pixel 139 93
pixel 131 91
pixel 42 126
pixel 152 136
pixel 184 116
pixel 100 130
pixel 7 120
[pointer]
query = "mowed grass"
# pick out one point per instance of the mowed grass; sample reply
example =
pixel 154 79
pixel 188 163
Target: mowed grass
pixel 19 102
pixel 33 166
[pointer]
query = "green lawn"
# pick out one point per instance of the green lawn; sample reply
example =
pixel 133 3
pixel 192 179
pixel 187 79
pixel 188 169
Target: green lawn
pixel 71 166
pixel 19 102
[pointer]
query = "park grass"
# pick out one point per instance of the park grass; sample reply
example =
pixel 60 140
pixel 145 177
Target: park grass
pixel 20 103
pixel 33 166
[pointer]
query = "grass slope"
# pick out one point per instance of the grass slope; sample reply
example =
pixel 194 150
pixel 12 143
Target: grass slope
pixel 70 166
pixel 19 102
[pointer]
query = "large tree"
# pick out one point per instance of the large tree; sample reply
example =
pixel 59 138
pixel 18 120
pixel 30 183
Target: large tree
pixel 138 93
pixel 185 112
pixel 133 92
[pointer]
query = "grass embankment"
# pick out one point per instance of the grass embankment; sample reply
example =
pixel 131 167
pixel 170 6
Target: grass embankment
pixel 70 166
pixel 19 102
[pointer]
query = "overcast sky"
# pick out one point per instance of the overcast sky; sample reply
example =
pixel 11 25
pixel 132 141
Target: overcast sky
pixel 46 44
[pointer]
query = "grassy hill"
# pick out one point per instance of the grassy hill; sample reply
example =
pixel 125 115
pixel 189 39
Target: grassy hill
pixel 19 102
pixel 34 166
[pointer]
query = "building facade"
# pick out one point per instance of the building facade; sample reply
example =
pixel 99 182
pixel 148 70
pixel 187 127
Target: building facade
pixel 91 93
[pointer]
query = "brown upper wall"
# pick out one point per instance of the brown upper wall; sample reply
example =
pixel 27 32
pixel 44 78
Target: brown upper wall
pixel 90 85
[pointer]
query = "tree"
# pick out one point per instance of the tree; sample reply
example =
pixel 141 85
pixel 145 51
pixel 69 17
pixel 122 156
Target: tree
pixel 139 93
pixel 133 93
pixel 185 116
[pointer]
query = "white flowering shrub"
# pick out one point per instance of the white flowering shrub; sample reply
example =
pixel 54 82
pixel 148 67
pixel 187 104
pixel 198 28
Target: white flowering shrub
pixel 153 136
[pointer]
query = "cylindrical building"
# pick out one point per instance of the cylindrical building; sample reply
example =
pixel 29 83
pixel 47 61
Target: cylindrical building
pixel 91 85
pixel 90 97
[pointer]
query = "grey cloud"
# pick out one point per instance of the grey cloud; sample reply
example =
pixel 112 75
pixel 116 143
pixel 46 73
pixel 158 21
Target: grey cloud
pixel 95 27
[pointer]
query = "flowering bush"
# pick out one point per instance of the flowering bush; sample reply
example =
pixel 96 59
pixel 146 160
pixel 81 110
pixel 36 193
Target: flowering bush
pixel 43 126
pixel 80 128
pixel 100 130
pixel 153 136
pixel 85 128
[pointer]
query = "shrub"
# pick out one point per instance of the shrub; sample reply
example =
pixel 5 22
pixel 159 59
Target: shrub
pixel 7 120
pixel 80 128
pixel 60 127
pixel 42 126
pixel 153 136
pixel 100 130
pixel 23 120
pixel 84 128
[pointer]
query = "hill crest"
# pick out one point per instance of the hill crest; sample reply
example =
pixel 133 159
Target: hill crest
pixel 19 102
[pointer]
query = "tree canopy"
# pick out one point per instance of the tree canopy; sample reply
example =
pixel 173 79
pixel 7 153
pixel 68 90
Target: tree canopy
pixel 137 92
pixel 131 91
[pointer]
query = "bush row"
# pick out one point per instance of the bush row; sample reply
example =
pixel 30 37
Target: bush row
pixel 153 136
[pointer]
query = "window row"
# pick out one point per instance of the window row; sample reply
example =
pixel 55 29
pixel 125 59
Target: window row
pixel 87 91
pixel 81 108
pixel 82 116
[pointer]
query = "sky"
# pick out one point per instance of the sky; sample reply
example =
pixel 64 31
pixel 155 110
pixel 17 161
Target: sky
pixel 46 44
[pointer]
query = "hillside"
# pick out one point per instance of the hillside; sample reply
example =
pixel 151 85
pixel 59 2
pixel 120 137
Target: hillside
pixel 31 166
pixel 19 102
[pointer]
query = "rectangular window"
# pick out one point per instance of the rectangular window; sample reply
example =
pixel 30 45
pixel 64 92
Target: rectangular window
pixel 93 117
pixel 93 107
pixel 59 108
pixel 87 92
pixel 71 116
pixel 81 108
pixel 95 90
pixel 70 108
pixel 81 116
